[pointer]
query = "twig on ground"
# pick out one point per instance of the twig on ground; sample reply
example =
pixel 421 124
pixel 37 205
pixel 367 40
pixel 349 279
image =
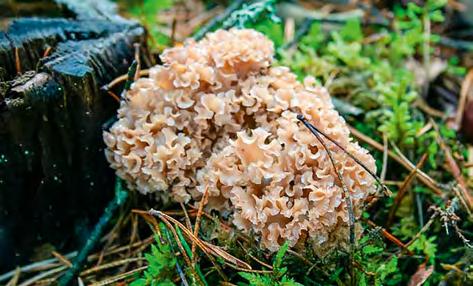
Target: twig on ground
pixel 110 265
pixel 186 215
pixel 17 61
pixel 119 277
pixel 390 237
pixel 148 215
pixel 385 158
pixel 62 259
pixel 422 105
pixel 43 275
pixel 14 280
pixel 197 222
pixel 423 229
pixel 122 78
pixel 454 169
pixel 318 131
pixel 465 90
pixel 403 189
pixel 448 217
pixel 346 193
pixel 203 245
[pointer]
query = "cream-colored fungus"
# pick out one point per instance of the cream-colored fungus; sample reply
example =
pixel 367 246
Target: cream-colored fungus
pixel 217 116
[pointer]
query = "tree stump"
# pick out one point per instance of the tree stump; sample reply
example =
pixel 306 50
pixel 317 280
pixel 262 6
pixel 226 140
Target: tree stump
pixel 54 179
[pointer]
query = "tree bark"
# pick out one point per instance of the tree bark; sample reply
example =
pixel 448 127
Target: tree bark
pixel 54 180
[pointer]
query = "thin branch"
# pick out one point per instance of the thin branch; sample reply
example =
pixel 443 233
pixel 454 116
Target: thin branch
pixel 403 188
pixel 454 169
pixel 346 192
pixel 197 223
pixel 119 277
pixel 186 215
pixel 316 130
pixel 423 177
pixel 203 245
pixel 423 229
pixel 465 90
pixel 122 78
pixel 385 157
pixel 17 61
pixel 390 237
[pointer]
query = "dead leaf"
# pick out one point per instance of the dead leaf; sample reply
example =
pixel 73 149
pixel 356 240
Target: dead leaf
pixel 421 275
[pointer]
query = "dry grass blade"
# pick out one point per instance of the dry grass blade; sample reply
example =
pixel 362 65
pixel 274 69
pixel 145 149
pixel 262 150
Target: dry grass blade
pixel 61 258
pixel 391 237
pixel 187 259
pixel 423 229
pixel 110 265
pixel 123 78
pixel 454 169
pixel 119 277
pixel 423 177
pixel 226 256
pixel 149 218
pixel 197 222
pixel 186 215
pixel 17 61
pixel 256 259
pixel 204 246
pixel 465 89
pixel 14 280
pixel 384 169
pixel 113 95
pixel 403 189
pixel 42 275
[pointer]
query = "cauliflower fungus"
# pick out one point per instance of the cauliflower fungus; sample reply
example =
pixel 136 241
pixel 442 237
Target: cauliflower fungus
pixel 217 117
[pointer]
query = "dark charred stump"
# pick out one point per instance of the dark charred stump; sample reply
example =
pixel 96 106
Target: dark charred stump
pixel 54 180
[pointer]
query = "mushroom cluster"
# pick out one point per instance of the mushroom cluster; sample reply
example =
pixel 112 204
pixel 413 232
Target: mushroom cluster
pixel 216 117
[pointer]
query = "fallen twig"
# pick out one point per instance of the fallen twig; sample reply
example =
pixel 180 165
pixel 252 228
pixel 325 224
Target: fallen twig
pixel 423 229
pixel 423 177
pixel 119 277
pixel 346 193
pixel 465 89
pixel 390 237
pixel 402 190
pixel 454 169
pixel 316 130
pixel 197 222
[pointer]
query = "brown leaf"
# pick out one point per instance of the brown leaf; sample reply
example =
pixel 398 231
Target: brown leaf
pixel 421 275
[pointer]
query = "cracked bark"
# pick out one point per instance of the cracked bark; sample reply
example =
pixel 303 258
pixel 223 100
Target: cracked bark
pixel 54 180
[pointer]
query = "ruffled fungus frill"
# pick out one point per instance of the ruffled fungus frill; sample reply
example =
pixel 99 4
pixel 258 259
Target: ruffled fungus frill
pixel 217 116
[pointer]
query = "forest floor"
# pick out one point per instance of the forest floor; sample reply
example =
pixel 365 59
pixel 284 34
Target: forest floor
pixel 399 74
